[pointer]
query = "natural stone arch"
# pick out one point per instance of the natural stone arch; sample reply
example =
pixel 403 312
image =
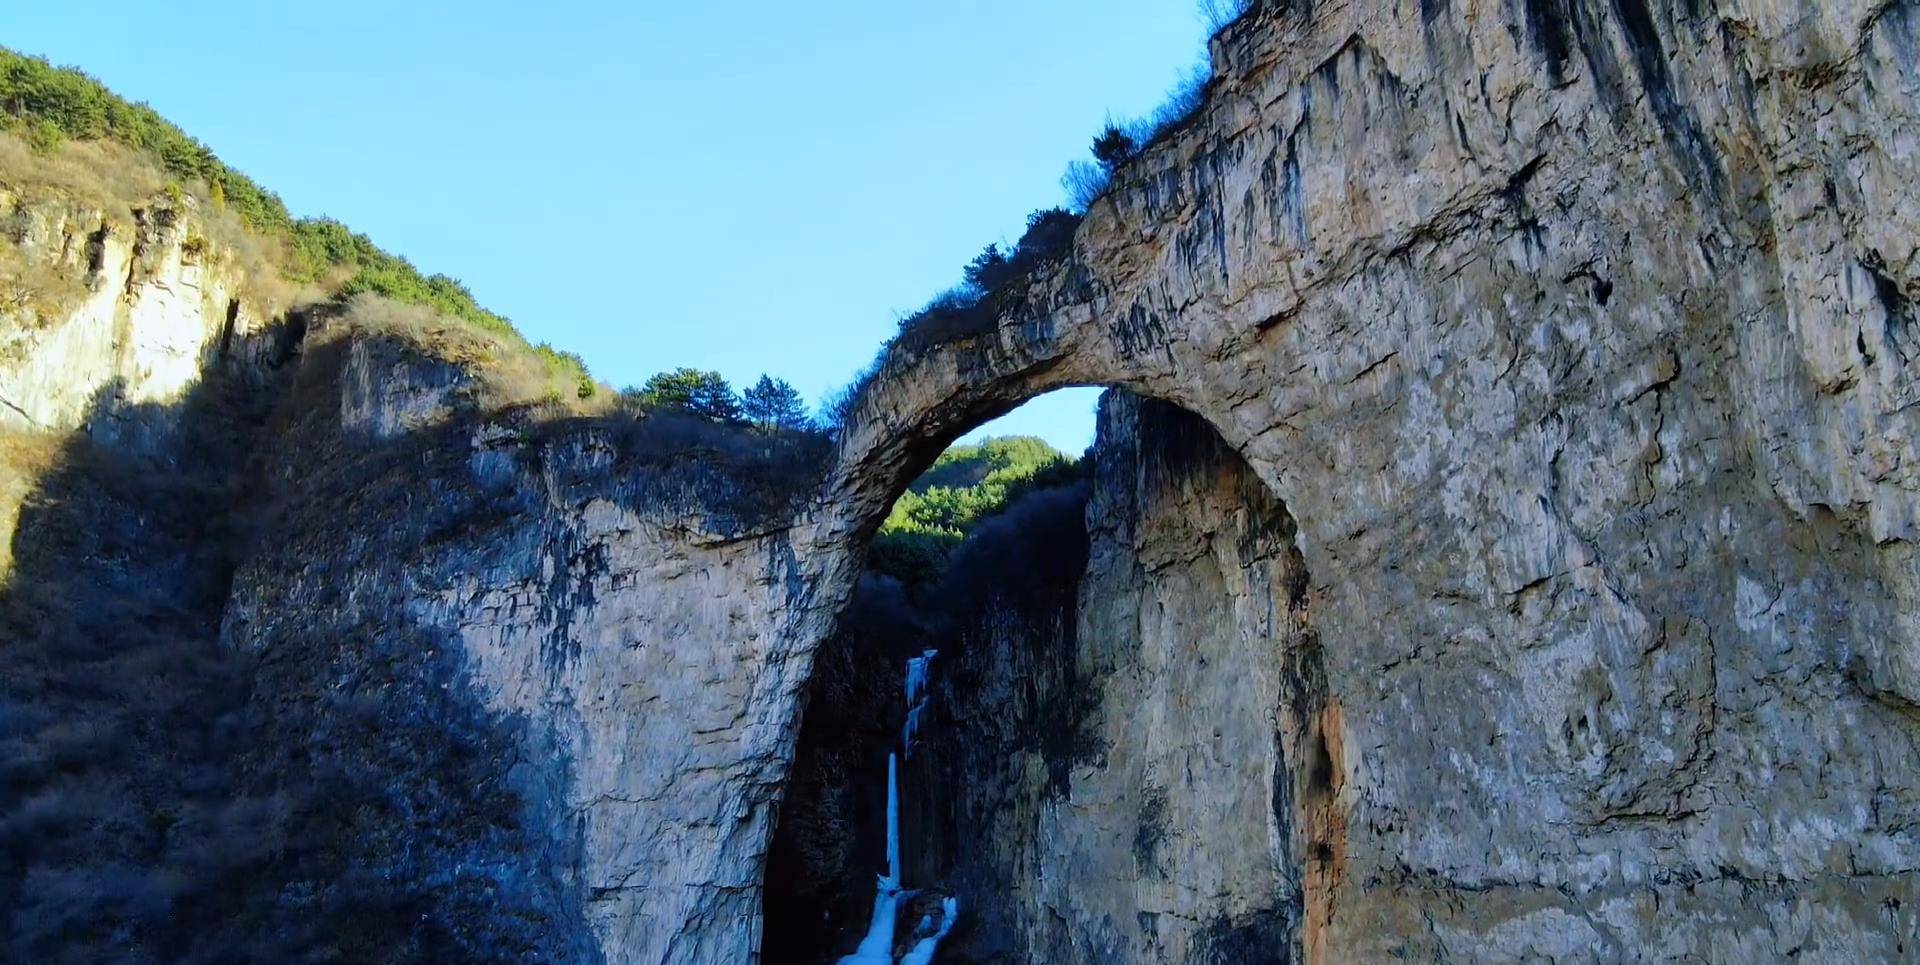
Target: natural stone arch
pixel 918 403
pixel 1570 342
pixel 1577 335
pixel 1080 629
pixel 1521 315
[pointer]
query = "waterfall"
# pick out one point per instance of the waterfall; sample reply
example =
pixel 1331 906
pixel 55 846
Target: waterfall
pixel 877 947
pixel 916 698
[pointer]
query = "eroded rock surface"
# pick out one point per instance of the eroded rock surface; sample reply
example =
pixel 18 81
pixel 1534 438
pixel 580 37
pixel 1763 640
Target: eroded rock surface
pixel 613 627
pixel 1567 335
pixel 107 314
pixel 1128 765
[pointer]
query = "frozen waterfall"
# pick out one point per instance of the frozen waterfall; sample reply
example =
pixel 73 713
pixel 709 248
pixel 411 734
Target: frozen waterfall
pixel 922 952
pixel 877 947
pixel 916 697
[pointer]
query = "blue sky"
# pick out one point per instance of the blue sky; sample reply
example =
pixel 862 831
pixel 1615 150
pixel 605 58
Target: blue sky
pixel 749 187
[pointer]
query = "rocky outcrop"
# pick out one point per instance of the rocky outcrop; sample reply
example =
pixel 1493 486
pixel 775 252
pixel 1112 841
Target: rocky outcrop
pixel 389 391
pixel 1565 332
pixel 619 631
pixel 104 315
pixel 1134 770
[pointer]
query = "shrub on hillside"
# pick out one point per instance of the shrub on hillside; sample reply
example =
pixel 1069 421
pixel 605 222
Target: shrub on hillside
pixel 45 137
pixel 737 475
pixel 1028 557
pixel 914 557
pixel 1182 103
pixel 990 284
pixel 508 371
pixel 839 405
pixel 81 108
pixel 1113 147
pixel 997 460
pixel 1087 181
pixel 1220 14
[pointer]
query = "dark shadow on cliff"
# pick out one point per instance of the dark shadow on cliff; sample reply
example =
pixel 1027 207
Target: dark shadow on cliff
pixel 167 796
pixel 830 840
pixel 1023 708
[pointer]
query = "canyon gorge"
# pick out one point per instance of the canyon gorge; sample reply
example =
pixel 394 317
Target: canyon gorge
pixel 1500 544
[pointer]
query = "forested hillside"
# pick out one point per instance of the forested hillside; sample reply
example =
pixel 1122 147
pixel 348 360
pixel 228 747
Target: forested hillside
pixel 966 486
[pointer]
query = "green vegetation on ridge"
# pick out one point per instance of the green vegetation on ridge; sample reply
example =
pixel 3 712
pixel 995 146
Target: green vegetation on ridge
pixel 965 486
pixel 50 105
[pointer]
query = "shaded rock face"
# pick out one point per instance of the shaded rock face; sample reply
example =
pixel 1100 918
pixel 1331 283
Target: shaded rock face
pixel 1133 769
pixel 108 324
pixel 326 788
pixel 1019 569
pixel 613 633
pixel 830 841
pixel 387 391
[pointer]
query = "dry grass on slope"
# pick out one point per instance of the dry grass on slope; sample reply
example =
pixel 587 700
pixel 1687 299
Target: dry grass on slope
pixel 507 372
pixel 25 457
pixel 115 181
pixel 52 200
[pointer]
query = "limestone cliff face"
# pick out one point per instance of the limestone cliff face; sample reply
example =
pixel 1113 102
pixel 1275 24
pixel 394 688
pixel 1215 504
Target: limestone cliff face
pixel 109 313
pixel 1133 769
pixel 1566 334
pixel 598 608
pixel 107 321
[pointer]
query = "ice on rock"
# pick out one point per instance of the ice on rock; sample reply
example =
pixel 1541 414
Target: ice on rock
pixel 877 947
pixel 922 951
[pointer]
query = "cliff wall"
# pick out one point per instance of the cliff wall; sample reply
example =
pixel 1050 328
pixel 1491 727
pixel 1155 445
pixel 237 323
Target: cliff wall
pixel 134 307
pixel 1112 759
pixel 605 597
pixel 1565 334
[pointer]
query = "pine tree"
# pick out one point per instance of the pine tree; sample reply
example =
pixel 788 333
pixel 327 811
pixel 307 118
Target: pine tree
pixel 773 404
pixel 1113 147
pixel 690 390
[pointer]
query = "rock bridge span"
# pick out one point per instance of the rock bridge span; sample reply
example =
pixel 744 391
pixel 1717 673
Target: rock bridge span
pixel 1487 208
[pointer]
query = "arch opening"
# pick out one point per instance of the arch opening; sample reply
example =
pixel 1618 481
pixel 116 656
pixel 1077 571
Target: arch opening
pixel 1121 696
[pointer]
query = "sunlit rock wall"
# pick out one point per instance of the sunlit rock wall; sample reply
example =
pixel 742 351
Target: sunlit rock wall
pixel 102 313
